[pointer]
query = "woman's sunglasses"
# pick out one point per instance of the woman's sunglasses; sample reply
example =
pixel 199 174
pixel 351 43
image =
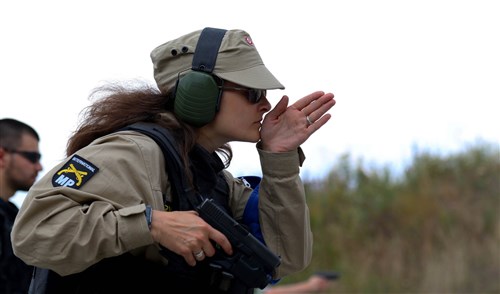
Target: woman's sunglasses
pixel 253 95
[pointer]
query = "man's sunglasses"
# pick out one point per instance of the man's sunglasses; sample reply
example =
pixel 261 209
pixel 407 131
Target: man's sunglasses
pixel 253 95
pixel 33 157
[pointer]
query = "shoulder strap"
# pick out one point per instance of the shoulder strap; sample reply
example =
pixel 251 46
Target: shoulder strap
pixel 174 165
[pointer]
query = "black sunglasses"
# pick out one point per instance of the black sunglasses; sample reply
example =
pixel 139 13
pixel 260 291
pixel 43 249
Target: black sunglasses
pixel 33 157
pixel 253 95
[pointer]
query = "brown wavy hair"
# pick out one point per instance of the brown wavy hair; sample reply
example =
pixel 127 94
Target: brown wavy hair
pixel 116 105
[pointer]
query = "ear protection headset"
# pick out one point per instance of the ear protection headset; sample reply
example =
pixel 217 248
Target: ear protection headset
pixel 197 94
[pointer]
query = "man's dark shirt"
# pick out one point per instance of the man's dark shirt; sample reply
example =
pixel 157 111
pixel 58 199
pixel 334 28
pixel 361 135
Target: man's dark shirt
pixel 15 275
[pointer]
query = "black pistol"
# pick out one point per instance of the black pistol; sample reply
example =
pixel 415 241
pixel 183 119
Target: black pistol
pixel 251 262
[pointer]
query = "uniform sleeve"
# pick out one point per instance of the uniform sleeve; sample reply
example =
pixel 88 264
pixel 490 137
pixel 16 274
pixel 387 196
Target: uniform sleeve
pixel 69 228
pixel 283 211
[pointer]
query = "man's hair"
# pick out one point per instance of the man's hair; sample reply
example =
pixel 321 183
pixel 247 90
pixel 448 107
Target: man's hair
pixel 11 131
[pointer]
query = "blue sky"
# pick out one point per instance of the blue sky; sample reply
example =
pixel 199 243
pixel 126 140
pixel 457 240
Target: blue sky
pixel 406 74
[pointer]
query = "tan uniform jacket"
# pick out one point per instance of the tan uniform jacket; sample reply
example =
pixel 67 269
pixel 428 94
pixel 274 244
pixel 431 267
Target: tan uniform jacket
pixel 67 229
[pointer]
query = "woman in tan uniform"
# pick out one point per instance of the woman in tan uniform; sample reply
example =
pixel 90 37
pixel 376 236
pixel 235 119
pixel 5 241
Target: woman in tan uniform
pixel 104 219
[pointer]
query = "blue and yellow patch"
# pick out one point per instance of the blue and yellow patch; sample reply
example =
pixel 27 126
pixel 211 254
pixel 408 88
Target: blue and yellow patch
pixel 74 173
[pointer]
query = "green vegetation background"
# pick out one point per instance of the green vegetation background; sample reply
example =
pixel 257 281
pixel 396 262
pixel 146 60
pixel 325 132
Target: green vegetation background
pixel 434 228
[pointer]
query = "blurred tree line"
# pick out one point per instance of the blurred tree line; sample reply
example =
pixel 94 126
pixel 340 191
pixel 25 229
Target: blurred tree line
pixel 435 228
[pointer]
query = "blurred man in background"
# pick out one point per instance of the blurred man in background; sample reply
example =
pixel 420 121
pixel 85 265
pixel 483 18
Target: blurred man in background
pixel 19 167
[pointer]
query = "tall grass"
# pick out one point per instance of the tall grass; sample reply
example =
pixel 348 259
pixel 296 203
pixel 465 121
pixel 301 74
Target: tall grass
pixel 433 229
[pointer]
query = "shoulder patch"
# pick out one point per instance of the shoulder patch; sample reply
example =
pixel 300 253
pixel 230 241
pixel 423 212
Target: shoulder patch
pixel 74 173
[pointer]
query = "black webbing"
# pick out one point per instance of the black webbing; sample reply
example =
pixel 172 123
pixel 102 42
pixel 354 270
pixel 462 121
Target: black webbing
pixel 207 49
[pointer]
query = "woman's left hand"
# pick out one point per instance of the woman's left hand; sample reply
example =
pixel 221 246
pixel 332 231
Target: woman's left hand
pixel 285 127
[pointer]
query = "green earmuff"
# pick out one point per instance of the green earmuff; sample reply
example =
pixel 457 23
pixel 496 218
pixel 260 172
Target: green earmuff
pixel 197 98
pixel 197 93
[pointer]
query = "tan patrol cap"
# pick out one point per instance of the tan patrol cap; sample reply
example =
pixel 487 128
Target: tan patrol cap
pixel 238 61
